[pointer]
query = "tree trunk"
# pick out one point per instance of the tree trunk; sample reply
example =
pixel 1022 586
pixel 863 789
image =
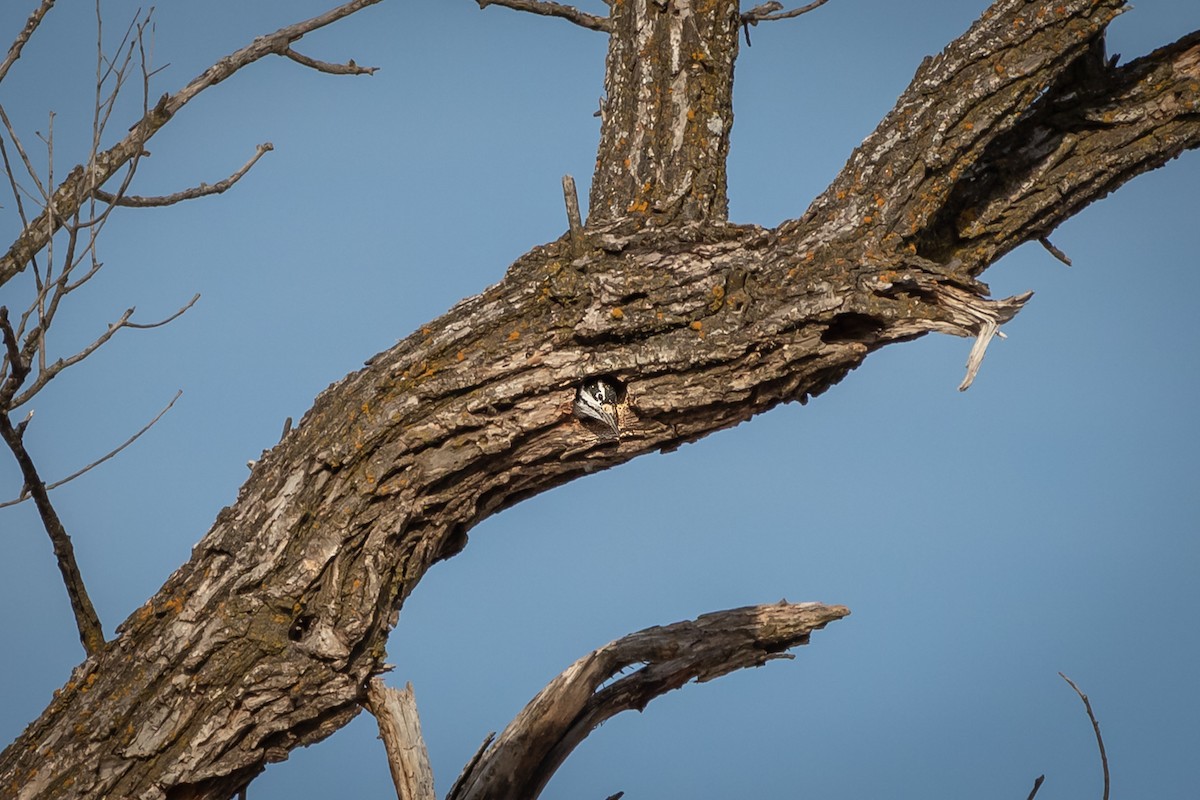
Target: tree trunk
pixel 665 124
pixel 266 639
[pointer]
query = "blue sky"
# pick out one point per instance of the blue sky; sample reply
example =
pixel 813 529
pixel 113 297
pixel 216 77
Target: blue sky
pixel 1045 520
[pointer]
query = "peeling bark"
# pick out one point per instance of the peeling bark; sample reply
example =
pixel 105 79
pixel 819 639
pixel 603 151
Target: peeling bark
pixel 266 639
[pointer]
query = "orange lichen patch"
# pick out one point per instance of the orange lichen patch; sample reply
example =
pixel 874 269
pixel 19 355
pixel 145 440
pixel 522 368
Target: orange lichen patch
pixel 1000 70
pixel 698 327
pixel 639 206
pixel 969 126
pixel 888 276
pixel 718 291
pixel 627 163
pixel 879 200
pixel 516 334
pixel 868 219
pixel 428 370
pixel 691 115
pixel 617 313
pixel 791 273
pixel 366 408
pixel 461 356
pixel 426 330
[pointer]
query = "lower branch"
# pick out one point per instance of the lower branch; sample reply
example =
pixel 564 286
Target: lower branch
pixel 593 689
pixel 91 634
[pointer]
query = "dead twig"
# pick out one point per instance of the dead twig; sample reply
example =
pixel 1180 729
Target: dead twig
pixel 1037 784
pixel 1095 727
pixel 203 190
pixel 547 8
pixel 1054 251
pixel 771 11
pixel 349 68
pixel 50 371
pixel 31 25
pixel 84 470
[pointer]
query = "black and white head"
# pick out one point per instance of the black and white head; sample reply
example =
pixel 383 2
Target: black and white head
pixel 596 400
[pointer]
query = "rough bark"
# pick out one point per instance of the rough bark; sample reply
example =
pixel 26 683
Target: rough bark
pixel 266 639
pixel 665 124
pixel 400 729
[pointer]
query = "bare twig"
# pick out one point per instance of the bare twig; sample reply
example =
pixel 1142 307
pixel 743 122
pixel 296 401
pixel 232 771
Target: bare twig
pixel 81 182
pixel 400 729
pixel 1095 727
pixel 349 68
pixel 574 221
pixel 31 25
pixel 145 326
pixel 547 8
pixel 203 190
pixel 84 470
pixel 769 12
pixel 1054 251
pixel 595 688
pixel 50 371
pixel 1037 784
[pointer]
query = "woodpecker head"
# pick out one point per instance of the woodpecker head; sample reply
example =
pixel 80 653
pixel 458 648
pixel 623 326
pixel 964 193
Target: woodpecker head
pixel 596 399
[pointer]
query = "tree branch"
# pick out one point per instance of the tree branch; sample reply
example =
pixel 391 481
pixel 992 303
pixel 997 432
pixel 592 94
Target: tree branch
pixel 81 183
pixel 771 11
pixel 203 190
pixel 349 68
pixel 1095 727
pixel 84 470
pixel 31 25
pixel 548 8
pixel 91 633
pixel 400 729
pixel 593 689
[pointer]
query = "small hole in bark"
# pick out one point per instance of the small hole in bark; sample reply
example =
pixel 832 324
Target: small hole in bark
pixel 300 626
pixel 851 327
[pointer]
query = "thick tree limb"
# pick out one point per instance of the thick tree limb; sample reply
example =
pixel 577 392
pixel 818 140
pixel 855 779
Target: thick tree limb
pixel 266 638
pixel 548 8
pixel 522 760
pixel 81 183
